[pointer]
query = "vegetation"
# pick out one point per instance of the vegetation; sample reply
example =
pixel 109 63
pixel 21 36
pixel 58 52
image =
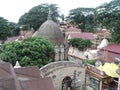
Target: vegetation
pixel 80 43
pixel 88 19
pixel 92 62
pixel 31 51
pixel 83 17
pixel 4 29
pixel 7 29
pixel 106 16
pixel 37 15
pixel 13 28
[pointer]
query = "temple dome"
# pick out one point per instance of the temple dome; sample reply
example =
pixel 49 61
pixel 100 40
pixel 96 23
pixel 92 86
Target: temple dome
pixel 50 30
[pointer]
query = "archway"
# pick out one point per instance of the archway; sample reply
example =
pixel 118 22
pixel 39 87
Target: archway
pixel 66 83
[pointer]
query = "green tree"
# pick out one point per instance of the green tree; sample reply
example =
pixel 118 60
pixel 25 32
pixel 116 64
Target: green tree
pixel 31 51
pixel 13 28
pixel 108 16
pixel 108 13
pixel 116 32
pixel 4 29
pixel 37 15
pixel 92 62
pixel 79 43
pixel 84 18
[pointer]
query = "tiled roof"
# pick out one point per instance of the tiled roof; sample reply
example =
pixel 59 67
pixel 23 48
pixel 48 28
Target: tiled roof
pixel 73 29
pixel 25 78
pixel 108 53
pixel 108 56
pixel 83 35
pixel 9 39
pixel 29 33
pixel 112 48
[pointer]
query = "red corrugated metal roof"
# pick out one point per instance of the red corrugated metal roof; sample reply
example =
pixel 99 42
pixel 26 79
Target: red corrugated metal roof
pixel 26 71
pixel 107 56
pixel 26 78
pixel 112 48
pixel 83 35
pixel 109 52
pixel 73 29
pixel 9 39
pixel 37 84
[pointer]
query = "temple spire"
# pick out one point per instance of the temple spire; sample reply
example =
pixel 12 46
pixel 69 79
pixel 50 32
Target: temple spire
pixel 17 65
pixel 49 15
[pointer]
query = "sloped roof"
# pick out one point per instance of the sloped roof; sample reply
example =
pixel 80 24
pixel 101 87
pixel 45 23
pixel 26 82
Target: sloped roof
pixel 26 71
pixel 38 84
pixel 109 52
pixel 83 35
pixel 112 48
pixel 8 79
pixel 73 29
pixel 4 70
pixel 107 56
pixel 30 79
pixel 10 39
pixel 29 33
pixel 25 78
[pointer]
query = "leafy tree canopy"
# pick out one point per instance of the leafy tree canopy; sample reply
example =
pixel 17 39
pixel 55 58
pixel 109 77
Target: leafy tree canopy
pixel 79 43
pixel 108 15
pixel 14 28
pixel 92 62
pixel 83 18
pixel 4 29
pixel 7 29
pixel 31 51
pixel 37 15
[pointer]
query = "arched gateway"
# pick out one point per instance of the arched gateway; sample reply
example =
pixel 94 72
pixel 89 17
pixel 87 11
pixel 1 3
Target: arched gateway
pixel 67 83
pixel 62 73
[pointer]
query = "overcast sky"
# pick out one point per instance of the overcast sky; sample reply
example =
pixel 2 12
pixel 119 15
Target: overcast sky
pixel 13 9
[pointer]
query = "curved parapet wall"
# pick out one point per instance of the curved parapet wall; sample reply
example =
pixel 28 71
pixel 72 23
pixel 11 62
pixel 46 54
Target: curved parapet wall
pixel 61 69
pixel 51 67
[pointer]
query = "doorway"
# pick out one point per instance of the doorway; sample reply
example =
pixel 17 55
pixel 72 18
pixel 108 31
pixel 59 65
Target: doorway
pixel 66 83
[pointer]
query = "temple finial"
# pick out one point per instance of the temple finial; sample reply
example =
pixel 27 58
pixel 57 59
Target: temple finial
pixel 49 14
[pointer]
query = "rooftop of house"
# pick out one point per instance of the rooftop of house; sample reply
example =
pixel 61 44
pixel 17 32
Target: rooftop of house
pixel 73 29
pixel 83 35
pixel 115 48
pixel 25 78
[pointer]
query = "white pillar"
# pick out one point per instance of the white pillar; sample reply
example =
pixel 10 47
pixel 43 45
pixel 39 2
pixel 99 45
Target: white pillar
pixel 119 83
pixel 100 85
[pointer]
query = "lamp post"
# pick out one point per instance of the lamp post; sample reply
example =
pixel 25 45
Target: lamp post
pixel 75 80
